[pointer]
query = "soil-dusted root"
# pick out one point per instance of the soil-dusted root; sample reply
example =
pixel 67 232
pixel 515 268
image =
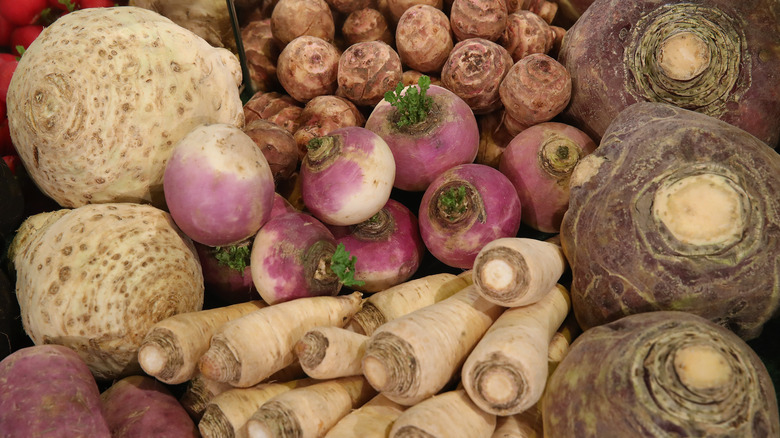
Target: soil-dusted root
pixel 405 298
pixel 536 89
pixel 261 54
pixel 49 388
pixel 275 107
pixel 494 137
pixel 412 77
pixel 310 411
pixel 367 24
pixel 367 71
pixel 474 70
pixel 330 352
pixel 478 19
pixel 649 373
pixel 414 356
pixel 396 8
pixel 517 271
pixel 172 347
pixel 539 162
pixel 451 414
pixel 140 405
pixel 372 420
pixel 324 114
pixel 308 67
pixel 238 356
pixel 527 424
pixel 278 146
pixel 199 391
pixel 507 370
pixel 225 416
pixel 526 33
pixel 347 7
pixel 423 38
pixel 291 19
pixel 545 9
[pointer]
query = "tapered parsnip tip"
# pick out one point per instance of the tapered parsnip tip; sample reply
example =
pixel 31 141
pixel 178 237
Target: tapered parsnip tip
pixel 375 372
pixel 152 358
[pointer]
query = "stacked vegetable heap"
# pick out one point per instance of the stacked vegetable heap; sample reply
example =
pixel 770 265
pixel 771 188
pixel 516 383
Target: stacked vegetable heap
pixel 396 218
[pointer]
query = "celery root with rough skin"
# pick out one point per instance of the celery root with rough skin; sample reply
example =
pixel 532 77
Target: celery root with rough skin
pixel 507 370
pixel 450 414
pixel 172 347
pixel 372 420
pixel 331 352
pixel 247 350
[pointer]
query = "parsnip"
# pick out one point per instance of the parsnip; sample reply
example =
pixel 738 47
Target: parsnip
pixel 331 352
pixel 448 415
pixel 372 420
pixel 198 394
pixel 527 424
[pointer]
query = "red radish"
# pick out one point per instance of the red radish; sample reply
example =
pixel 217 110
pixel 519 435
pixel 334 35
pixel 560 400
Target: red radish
pixel 429 130
pixel 12 161
pixel 63 5
pixel 22 13
pixel 347 176
pixel 463 209
pixel 539 161
pixel 5 57
pixel 5 32
pixel 23 36
pixel 218 185
pixel 6 72
pixel 388 247
pixel 84 4
pixel 6 144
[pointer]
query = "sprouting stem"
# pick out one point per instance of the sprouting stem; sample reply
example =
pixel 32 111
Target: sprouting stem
pixel 453 201
pixel 235 256
pixel 343 265
pixel 412 106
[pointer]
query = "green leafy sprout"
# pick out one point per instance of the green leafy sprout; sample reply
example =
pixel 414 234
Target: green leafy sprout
pixel 454 200
pixel 235 257
pixel 414 105
pixel 343 265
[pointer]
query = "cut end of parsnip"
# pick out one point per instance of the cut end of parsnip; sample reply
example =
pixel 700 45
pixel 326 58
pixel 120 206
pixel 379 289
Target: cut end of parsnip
pixel 702 367
pixel 152 359
pixel 376 373
pixel 220 364
pixel 501 274
pixel 500 386
pixel 683 56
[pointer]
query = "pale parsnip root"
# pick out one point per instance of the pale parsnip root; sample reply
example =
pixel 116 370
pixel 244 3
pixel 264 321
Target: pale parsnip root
pixel 372 420
pixel 448 415
pixel 199 392
pixel 527 424
pixel 331 352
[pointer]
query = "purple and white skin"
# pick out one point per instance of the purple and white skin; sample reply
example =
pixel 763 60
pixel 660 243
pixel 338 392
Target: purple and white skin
pixel 347 176
pixel 291 257
pixel 463 209
pixel 448 136
pixel 388 247
pixel 218 185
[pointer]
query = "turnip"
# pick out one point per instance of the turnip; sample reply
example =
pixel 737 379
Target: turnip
pixel 291 19
pixel 478 19
pixel 536 89
pixel 429 130
pixel 308 67
pixel 423 38
pixel 463 209
pixel 218 185
pixel 691 204
pixel 539 161
pixel 710 57
pixel 388 246
pixel 347 176
pixel 324 114
pixel 368 70
pixel 367 24
pixel 94 126
pixel 658 374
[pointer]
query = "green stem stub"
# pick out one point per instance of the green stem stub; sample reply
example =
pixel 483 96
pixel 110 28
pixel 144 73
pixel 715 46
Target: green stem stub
pixel 343 265
pixel 235 256
pixel 414 105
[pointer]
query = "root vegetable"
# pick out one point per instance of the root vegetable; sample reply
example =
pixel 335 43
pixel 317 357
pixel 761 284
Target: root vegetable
pixel 198 394
pixel 227 276
pixel 478 19
pixel 141 406
pixel 280 109
pixel 536 89
pixel 372 420
pixel 396 8
pixel 494 137
pixel 367 24
pixel 513 126
pixel 310 411
pixel 218 185
pixel 261 54
pixel 331 352
pixel 209 19
pixel 423 38
pixel 278 147
pixel 711 58
pixel 527 424
pixel 96 135
pixel 526 33
pixel 172 347
pixel 347 176
pixel 291 19
pixel 474 71
pixel 321 116
pixel 413 357
pixel 539 162
pixel 507 371
pixel 108 273
pixel 238 356
pixel 47 390
pixel 700 197
pixel 451 414
pixel 412 77
pixel 367 71
pixel 349 6
pixel 308 67
pixel 429 129
pixel 405 298
pixel 388 247
pixel 656 372
pixel 463 209
pixel 545 9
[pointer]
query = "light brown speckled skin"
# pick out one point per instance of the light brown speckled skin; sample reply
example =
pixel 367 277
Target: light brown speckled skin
pixel 103 94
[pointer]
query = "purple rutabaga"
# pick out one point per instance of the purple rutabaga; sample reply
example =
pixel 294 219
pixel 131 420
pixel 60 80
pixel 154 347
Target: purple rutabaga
pixel 463 209
pixel 347 176
pixel 428 131
pixel 388 247
pixel 218 185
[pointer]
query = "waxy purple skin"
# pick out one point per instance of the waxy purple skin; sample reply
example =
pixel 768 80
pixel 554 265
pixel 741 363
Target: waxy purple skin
pixel 457 244
pixel 277 257
pixel 387 261
pixel 422 154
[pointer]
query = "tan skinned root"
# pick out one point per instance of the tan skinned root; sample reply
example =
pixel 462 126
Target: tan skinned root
pixel 199 392
pixel 247 350
pixel 414 356
pixel 527 424
pixel 517 271
pixel 310 411
pixel 507 371
pixel 448 415
pixel 405 298
pixel 372 420
pixel 331 352
pixel 172 347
